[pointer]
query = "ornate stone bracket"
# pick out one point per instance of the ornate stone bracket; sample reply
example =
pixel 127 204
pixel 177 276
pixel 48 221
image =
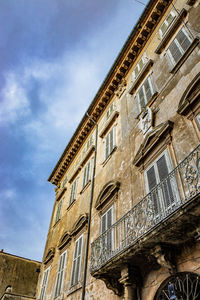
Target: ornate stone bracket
pixel 163 259
pixel 113 284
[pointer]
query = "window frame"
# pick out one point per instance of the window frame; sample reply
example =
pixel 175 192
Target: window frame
pixel 59 281
pixel 58 210
pixel 167 24
pixel 44 284
pixel 87 173
pixel 75 259
pixel 108 144
pixel 151 88
pixel 178 45
pixel 73 191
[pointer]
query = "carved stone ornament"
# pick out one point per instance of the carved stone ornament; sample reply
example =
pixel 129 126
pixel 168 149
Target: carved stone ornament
pixel 79 224
pixel 65 239
pixel 113 284
pixel 146 121
pixel 121 88
pixel 106 193
pixel 50 255
pixel 162 259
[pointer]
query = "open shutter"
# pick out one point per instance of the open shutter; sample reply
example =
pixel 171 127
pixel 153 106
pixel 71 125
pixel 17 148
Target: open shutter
pixel 148 90
pixel 151 177
pixel 60 275
pixel 103 223
pixel 141 97
pixel 107 146
pixel 76 269
pixel 44 284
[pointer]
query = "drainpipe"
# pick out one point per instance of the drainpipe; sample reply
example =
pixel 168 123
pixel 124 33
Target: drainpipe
pixel 90 212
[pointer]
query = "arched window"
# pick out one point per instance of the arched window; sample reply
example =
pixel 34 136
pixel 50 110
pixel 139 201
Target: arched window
pixel 185 285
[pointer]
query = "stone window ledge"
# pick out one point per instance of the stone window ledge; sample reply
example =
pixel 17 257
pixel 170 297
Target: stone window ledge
pixel 173 27
pixel 109 156
pixel 185 56
pixel 109 123
pixel 85 187
pixel 74 288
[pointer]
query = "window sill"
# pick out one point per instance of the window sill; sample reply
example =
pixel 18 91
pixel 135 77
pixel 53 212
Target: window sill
pixel 56 223
pixel 109 123
pixel 141 76
pixel 185 56
pixel 171 30
pixel 71 204
pixel 109 157
pixel 85 187
pixel 74 288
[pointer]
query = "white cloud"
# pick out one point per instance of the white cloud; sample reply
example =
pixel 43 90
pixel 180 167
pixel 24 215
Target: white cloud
pixel 14 101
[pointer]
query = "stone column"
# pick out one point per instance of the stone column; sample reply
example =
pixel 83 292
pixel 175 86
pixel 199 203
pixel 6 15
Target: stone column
pixel 130 288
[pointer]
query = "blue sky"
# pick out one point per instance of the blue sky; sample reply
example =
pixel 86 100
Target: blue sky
pixel 54 55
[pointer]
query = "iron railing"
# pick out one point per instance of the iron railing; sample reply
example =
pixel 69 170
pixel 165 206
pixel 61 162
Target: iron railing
pixel 178 188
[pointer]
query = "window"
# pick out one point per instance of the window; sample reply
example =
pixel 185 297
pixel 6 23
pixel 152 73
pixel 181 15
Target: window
pixel 44 283
pixel 165 195
pixel 60 274
pixel 144 93
pixel 58 212
pixel 138 67
pixel 110 142
pixel 106 223
pixel 89 143
pixel 109 111
pixel 197 120
pixel 87 173
pixel 73 191
pixel 179 46
pixel 168 21
pixel 76 268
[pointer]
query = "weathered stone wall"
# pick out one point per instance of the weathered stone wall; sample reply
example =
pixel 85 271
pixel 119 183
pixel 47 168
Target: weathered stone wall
pixel 20 274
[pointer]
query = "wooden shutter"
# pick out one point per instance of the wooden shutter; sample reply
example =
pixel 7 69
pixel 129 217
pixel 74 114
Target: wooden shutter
pixel 60 274
pixel 44 284
pixel 107 143
pixel 76 269
pixel 141 97
pixel 183 40
pixel 152 182
pixel 147 88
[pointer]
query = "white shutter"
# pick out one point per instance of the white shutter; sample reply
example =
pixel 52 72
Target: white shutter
pixel 44 284
pixel 58 212
pixel 76 268
pixel 60 274
pixel 165 25
pixel 73 191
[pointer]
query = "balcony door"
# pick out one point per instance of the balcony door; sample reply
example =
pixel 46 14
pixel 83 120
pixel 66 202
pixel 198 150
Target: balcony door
pixel 162 188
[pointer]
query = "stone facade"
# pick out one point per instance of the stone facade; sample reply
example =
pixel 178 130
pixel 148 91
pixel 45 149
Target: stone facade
pixel 125 223
pixel 18 277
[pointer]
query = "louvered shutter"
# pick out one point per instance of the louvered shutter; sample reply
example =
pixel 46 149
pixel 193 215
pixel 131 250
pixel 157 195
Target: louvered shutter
pixel 147 88
pixel 163 172
pixel 76 269
pixel 109 224
pixel 183 40
pixel 60 274
pixel 141 97
pixel 74 264
pixel 152 182
pixel 84 176
pixel 107 143
pixel 163 28
pixel 175 51
pixel 44 284
pixel 111 140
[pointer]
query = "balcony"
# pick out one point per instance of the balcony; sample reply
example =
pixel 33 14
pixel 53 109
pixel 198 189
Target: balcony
pixel 162 216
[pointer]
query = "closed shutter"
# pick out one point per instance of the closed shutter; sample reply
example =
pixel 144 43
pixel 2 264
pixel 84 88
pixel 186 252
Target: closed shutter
pixel 175 51
pixel 73 191
pixel 60 275
pixel 163 172
pixel 76 269
pixel 44 284
pixel 58 212
pixel 87 174
pixel 106 223
pixel 147 88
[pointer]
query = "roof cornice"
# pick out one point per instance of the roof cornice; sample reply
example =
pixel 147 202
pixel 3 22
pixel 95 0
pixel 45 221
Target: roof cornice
pixel 128 54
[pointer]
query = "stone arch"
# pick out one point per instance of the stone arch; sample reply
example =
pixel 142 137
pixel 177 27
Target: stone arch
pixel 107 192
pixel 186 285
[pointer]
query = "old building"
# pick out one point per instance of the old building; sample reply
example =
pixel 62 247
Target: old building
pixel 126 219
pixel 18 277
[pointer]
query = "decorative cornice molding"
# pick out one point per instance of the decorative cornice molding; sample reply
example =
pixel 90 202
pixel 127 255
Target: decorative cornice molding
pixel 60 193
pixel 151 140
pixel 65 239
pixel 79 224
pixel 108 191
pixel 50 255
pixel 127 56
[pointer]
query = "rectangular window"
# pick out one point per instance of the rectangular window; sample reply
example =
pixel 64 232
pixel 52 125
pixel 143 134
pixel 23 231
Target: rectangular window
pixel 109 111
pixel 139 67
pixel 179 46
pixel 76 268
pixel 60 274
pixel 58 212
pixel 44 283
pixel 164 197
pixel 110 142
pixel 73 191
pixel 197 120
pixel 166 24
pixel 145 92
pixel 106 223
pixel 87 173
pixel 89 143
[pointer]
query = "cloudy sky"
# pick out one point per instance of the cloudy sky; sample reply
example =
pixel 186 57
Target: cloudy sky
pixel 54 55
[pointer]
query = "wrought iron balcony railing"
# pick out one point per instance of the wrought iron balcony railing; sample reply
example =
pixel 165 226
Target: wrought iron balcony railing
pixel 178 188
